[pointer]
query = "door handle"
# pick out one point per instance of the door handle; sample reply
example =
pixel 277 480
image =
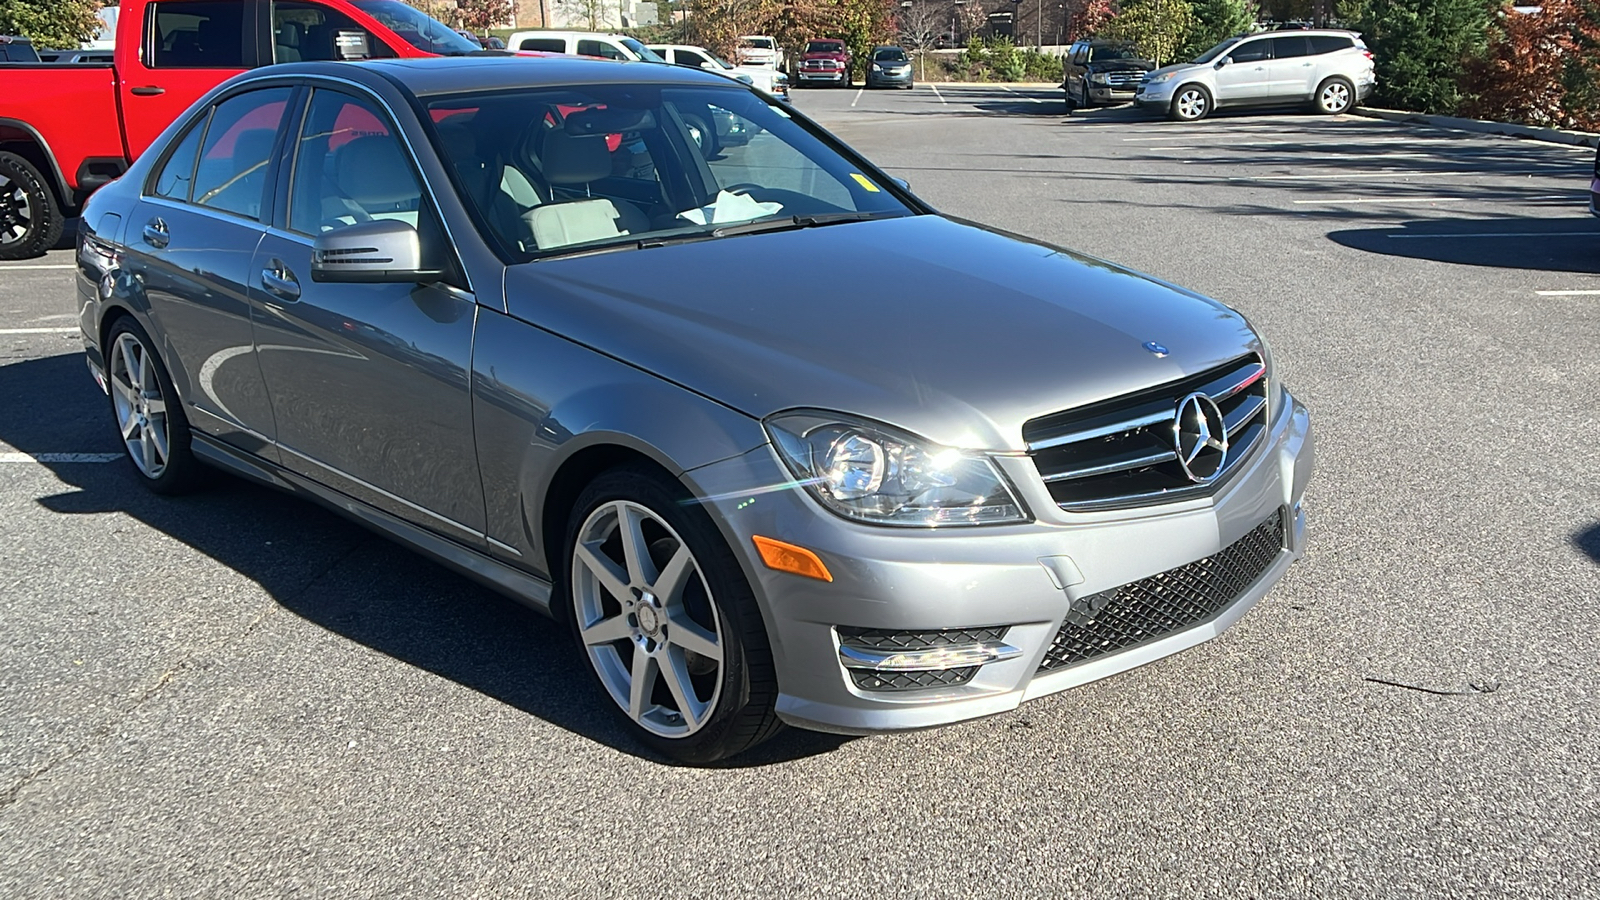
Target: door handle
pixel 148 91
pixel 278 280
pixel 155 233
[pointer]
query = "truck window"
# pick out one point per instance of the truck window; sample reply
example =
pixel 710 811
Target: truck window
pixel 197 34
pixel 237 152
pixel 304 32
pixel 544 45
pixel 600 49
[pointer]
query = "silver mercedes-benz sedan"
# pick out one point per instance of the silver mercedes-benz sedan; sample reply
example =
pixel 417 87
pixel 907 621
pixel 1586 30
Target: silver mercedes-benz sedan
pixel 493 308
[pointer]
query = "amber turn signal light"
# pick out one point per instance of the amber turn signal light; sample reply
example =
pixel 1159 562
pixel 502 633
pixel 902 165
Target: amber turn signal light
pixel 789 558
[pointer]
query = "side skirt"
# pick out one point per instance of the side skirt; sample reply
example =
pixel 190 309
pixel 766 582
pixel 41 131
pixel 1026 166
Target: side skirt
pixel 527 589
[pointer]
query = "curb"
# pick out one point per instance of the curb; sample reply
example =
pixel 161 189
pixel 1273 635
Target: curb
pixel 1031 85
pixel 1528 132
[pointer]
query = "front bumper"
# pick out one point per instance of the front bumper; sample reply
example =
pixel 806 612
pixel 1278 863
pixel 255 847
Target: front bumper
pixel 1100 93
pixel 1014 585
pixel 830 77
pixel 1594 196
pixel 889 79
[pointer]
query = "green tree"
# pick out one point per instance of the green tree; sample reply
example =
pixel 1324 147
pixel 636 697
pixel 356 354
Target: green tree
pixel 1215 20
pixel 1160 28
pixel 50 24
pixel 1422 49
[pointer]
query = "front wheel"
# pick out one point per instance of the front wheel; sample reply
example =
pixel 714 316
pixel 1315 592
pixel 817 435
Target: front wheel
pixel 1334 96
pixel 1191 103
pixel 31 220
pixel 666 619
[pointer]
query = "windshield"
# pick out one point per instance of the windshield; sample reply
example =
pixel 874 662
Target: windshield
pixel 718 60
pixel 1216 51
pixel 1100 53
pixel 891 55
pixel 421 32
pixel 553 171
pixel 759 43
pixel 644 53
pixel 825 47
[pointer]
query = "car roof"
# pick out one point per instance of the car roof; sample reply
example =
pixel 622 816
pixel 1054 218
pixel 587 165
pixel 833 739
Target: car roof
pixel 455 74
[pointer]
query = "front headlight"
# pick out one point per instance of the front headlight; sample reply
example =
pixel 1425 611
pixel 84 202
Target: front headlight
pixel 1157 79
pixel 1098 78
pixel 871 472
pixel 877 68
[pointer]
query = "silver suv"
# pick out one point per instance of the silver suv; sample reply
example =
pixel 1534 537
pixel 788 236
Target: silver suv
pixel 1332 70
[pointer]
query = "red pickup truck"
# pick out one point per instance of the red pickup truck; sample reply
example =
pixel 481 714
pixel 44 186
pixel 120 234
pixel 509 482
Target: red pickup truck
pixel 69 128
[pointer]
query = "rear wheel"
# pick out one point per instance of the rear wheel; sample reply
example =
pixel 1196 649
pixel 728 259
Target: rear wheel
pixel 149 415
pixel 30 218
pixel 666 619
pixel 1190 103
pixel 1334 96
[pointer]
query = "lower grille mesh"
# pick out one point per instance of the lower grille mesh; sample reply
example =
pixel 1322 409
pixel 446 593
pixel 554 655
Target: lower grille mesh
pixel 1152 608
pixel 911 681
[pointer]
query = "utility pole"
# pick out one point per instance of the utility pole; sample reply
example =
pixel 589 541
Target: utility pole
pixel 1038 25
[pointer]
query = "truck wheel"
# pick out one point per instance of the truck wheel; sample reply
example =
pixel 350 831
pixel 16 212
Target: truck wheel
pixel 30 219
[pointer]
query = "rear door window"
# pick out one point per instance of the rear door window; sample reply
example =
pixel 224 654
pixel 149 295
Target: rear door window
pixel 198 34
pixel 1290 47
pixel 236 156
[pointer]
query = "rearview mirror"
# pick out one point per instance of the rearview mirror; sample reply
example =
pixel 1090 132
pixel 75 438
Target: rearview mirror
pixel 380 251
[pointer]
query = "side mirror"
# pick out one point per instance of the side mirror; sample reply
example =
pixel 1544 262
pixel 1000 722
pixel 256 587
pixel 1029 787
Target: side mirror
pixel 376 252
pixel 904 184
pixel 1224 61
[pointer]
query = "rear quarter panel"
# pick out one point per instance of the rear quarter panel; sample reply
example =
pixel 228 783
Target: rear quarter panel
pixel 68 108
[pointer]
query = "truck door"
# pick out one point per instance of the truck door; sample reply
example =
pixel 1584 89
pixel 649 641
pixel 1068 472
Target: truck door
pixel 186 47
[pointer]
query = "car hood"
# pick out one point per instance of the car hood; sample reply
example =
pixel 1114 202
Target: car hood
pixel 1177 67
pixel 839 55
pixel 945 329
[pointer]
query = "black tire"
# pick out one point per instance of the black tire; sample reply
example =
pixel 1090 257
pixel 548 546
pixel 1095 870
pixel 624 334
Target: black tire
pixel 707 141
pixel 1190 103
pixel 1334 96
pixel 179 470
pixel 1066 90
pixel 30 218
pixel 743 711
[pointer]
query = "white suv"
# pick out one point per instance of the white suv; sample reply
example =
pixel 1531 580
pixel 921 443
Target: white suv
pixel 583 43
pixel 1332 70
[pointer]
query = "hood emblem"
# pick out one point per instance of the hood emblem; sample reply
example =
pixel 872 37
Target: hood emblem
pixel 1159 350
pixel 1200 437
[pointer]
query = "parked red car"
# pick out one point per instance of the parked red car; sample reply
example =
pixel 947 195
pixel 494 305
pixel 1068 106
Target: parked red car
pixel 67 129
pixel 826 61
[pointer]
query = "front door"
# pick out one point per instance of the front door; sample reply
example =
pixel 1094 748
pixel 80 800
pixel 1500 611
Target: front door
pixel 1244 78
pixel 369 381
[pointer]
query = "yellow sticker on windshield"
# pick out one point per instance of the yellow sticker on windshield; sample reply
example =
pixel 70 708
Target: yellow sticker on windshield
pixel 862 180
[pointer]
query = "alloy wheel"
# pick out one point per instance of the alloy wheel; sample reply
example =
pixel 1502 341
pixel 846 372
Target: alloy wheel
pixel 1192 104
pixel 646 620
pixel 140 406
pixel 16 211
pixel 1335 97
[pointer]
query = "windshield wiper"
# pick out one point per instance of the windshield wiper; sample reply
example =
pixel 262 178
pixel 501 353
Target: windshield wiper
pixel 792 222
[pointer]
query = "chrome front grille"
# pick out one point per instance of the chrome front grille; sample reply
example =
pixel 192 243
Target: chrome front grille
pixel 1124 78
pixel 1125 452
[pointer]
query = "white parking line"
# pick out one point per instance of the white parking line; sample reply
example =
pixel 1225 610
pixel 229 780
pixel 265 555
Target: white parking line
pixel 858 98
pixel 937 94
pixel 1385 200
pixel 1567 293
pixel 59 457
pixel 1023 96
pixel 1497 234
pixel 38 331
pixel 9 268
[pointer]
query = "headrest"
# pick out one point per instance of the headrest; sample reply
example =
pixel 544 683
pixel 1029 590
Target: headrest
pixel 373 171
pixel 572 159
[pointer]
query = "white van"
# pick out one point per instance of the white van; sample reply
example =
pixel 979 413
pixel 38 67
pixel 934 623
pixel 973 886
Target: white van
pixel 583 43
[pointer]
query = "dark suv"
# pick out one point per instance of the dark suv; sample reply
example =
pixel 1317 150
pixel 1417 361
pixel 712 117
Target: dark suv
pixel 1098 72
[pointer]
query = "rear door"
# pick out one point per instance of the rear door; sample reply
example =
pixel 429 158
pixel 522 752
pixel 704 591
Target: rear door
pixel 188 48
pixel 190 242
pixel 1293 70
pixel 1245 79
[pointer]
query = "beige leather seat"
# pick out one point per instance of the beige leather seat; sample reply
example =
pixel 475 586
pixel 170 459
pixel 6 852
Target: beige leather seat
pixel 571 160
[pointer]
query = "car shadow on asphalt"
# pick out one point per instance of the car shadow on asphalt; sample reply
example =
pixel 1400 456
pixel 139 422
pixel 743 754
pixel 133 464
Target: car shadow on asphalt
pixel 1588 540
pixel 333 573
pixel 1547 244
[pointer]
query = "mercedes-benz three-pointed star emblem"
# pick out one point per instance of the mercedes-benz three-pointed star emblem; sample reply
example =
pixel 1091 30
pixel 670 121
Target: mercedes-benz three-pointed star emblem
pixel 1200 437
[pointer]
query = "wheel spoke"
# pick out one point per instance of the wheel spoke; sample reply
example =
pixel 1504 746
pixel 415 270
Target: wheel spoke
pixel 611 578
pixel 642 683
pixel 147 450
pixel 156 433
pixel 606 631
pixel 641 570
pixel 676 672
pixel 130 424
pixel 688 634
pixel 674 576
pixel 155 406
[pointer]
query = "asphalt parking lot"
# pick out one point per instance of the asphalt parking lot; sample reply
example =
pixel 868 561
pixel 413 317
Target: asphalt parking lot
pixel 239 694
